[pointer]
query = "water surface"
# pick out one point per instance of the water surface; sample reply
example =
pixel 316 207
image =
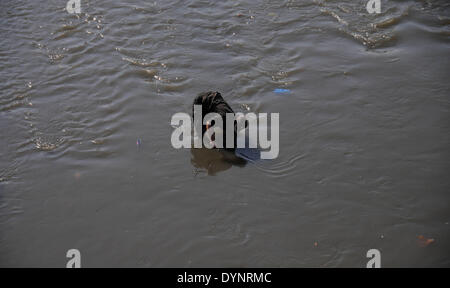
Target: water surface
pixel 364 136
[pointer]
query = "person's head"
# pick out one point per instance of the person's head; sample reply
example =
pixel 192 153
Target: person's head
pixel 212 102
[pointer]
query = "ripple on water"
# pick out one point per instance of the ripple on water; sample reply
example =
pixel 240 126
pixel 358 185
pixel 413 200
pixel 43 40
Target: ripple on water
pixel 280 169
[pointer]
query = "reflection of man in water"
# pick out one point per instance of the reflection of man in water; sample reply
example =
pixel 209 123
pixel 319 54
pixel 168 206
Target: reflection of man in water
pixel 214 161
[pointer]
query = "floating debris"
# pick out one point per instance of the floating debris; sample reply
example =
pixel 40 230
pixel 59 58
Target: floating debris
pixel 246 107
pixel 423 242
pixel 282 91
pixel 97 141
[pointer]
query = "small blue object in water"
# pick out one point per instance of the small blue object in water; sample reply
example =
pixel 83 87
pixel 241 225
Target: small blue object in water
pixel 138 143
pixel 279 90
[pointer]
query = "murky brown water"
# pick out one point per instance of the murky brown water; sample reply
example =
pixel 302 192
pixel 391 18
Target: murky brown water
pixel 364 138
